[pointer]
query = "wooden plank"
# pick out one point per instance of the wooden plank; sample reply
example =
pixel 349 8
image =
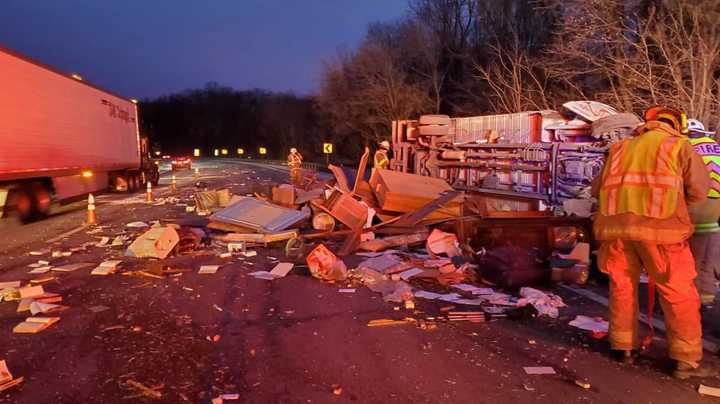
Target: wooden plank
pixel 342 181
pixel 361 170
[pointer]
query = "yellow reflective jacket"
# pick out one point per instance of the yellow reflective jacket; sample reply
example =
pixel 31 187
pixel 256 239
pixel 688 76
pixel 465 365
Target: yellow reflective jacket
pixel 646 185
pixel 709 150
pixel 380 159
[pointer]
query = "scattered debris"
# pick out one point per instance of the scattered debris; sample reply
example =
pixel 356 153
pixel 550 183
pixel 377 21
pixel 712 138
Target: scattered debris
pixel 539 370
pixel 34 325
pixel 208 269
pixel 155 243
pixel 72 267
pixel 6 378
pixel 547 304
pixel 325 265
pixel 282 269
pixel 709 391
pixel 150 392
pixel 106 268
pixel 596 325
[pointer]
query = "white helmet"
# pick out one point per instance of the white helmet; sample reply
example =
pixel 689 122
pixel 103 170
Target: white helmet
pixel 696 126
pixel 293 150
pixel 385 144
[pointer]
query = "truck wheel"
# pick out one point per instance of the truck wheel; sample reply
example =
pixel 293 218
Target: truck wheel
pixel 132 181
pixel 21 201
pixel 42 200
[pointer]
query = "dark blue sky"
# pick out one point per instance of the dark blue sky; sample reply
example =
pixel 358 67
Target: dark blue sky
pixel 146 48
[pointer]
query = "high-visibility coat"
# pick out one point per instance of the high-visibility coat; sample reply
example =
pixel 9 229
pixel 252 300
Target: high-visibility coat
pixel 294 160
pixel 643 176
pixel 380 159
pixel 645 186
pixel 709 150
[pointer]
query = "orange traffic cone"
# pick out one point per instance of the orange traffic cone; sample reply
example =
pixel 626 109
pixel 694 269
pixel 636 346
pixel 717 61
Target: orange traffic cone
pixel 149 195
pixel 91 217
pixel 173 185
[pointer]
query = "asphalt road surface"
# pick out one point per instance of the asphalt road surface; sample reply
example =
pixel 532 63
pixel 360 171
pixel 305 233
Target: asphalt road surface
pixel 194 337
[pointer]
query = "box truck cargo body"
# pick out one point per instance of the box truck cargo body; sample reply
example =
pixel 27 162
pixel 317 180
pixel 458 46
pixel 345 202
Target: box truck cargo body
pixel 62 138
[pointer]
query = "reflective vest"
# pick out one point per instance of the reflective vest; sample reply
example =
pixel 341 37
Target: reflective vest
pixel 381 159
pixel 294 160
pixel 642 176
pixel 709 150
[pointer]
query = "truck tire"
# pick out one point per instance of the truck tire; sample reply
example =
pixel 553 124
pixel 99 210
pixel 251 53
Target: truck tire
pixel 133 184
pixel 42 200
pixel 21 201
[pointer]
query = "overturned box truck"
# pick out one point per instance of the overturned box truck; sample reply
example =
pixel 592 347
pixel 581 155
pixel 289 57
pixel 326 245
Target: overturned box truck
pixel 62 138
pixel 529 172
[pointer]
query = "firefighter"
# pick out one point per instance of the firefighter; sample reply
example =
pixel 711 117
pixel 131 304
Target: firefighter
pixel 294 162
pixel 705 242
pixel 381 159
pixel 644 190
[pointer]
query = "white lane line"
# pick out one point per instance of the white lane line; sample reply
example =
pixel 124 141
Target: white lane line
pixel 66 234
pixel 708 345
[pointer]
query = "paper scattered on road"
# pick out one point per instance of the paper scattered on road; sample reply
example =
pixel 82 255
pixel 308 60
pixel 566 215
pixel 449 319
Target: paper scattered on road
pixel 33 325
pixel 106 268
pixel 103 242
pixel 539 370
pixel 11 284
pixel 405 275
pixel 208 269
pixel 40 270
pixel 71 267
pixel 590 324
pixel 427 295
pixel 249 254
pixel 709 391
pixel 31 291
pixel 282 269
pixel 347 290
pixel 263 275
pixel 137 225
pixel 98 309
pixel 39 307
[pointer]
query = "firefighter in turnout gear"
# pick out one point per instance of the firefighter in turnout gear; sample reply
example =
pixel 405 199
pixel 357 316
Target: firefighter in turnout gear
pixel 644 191
pixel 381 159
pixel 705 242
pixel 294 162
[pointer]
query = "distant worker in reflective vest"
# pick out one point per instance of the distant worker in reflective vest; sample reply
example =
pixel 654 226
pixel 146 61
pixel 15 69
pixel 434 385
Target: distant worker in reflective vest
pixel 644 191
pixel 294 162
pixel 705 242
pixel 381 159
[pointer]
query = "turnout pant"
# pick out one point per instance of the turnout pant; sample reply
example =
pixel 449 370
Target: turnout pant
pixel 672 268
pixel 706 250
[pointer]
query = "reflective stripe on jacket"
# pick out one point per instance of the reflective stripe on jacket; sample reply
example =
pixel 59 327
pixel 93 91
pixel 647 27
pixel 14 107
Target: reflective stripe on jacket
pixel 709 150
pixel 643 176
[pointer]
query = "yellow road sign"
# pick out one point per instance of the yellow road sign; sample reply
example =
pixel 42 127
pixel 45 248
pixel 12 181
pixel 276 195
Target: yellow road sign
pixel 327 148
pixel 263 151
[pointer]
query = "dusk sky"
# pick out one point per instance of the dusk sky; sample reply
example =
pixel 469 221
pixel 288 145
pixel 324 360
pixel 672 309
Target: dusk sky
pixel 147 48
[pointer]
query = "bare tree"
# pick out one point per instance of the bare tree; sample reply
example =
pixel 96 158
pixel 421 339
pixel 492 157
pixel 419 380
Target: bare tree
pixel 667 54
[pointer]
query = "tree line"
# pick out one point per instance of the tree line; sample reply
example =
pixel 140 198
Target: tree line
pixel 464 58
